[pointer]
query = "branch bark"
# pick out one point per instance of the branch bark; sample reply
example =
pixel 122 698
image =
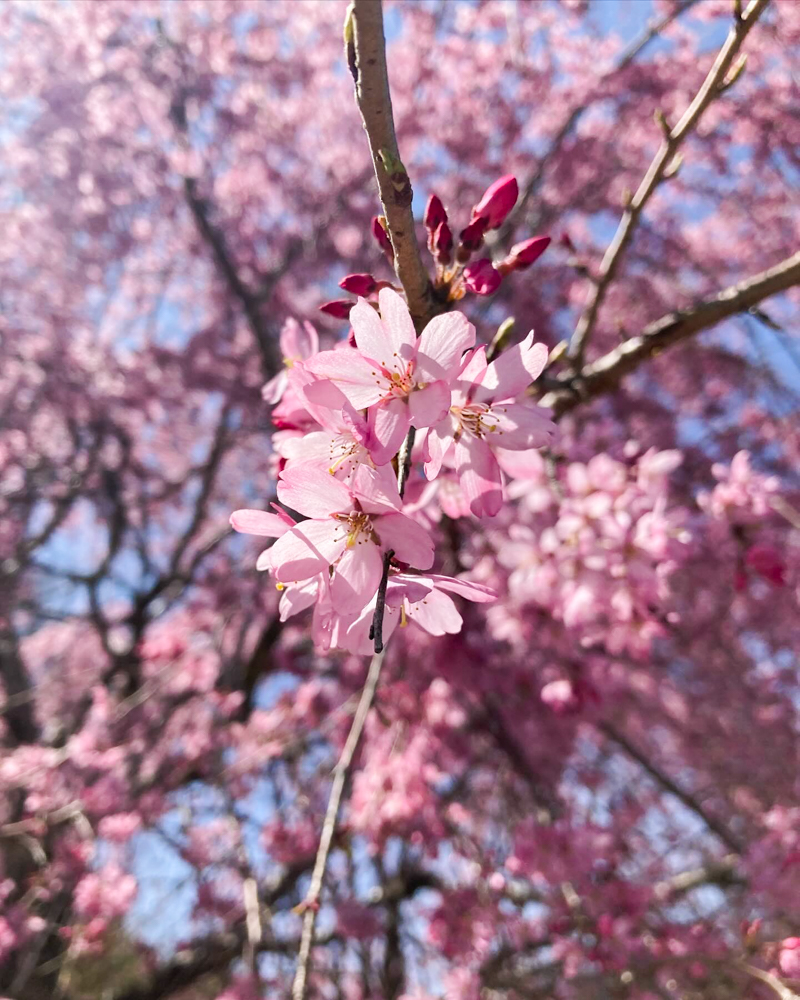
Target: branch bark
pixel 366 51
pixel 715 84
pixel 605 374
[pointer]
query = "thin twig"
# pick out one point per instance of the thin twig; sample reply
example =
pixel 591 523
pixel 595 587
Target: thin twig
pixel 651 30
pixel 329 826
pixel 714 85
pixel 366 51
pixel 605 374
pixel 664 780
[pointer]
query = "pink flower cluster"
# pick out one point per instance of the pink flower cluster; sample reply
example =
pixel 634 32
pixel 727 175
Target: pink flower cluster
pixel 344 416
pixel 603 563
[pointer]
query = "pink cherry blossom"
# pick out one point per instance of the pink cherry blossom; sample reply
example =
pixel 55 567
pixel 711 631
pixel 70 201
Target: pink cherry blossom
pixel 349 530
pixel 404 377
pixel 298 342
pixel 484 415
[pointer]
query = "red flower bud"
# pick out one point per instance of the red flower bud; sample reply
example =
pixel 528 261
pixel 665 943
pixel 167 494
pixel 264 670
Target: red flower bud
pixel 523 254
pixel 339 308
pixel 442 243
pixel 359 284
pixel 471 238
pixel 497 202
pixel 435 214
pixel 482 277
pixel 382 237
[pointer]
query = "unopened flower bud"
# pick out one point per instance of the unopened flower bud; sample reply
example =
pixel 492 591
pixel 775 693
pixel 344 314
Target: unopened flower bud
pixel 470 239
pixel 523 254
pixel 482 277
pixel 359 284
pixel 380 234
pixel 442 243
pixel 497 202
pixel 338 308
pixel 435 214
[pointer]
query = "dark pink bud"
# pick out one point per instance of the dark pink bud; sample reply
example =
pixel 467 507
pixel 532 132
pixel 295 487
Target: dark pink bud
pixel 339 308
pixel 471 238
pixel 497 202
pixel 482 277
pixel 523 254
pixel 442 243
pixel 767 562
pixel 435 214
pixel 566 242
pixel 382 237
pixel 359 284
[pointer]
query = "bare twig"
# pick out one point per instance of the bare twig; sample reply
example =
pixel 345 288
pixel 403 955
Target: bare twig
pixel 714 84
pixel 605 374
pixel 366 52
pixel 341 772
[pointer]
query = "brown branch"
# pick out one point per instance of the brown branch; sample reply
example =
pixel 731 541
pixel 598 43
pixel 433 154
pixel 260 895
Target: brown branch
pixel 605 374
pixel 715 84
pixel 249 301
pixel 662 779
pixel 341 772
pixel 366 52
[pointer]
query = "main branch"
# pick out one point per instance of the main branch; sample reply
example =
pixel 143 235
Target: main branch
pixel 718 79
pixel 366 50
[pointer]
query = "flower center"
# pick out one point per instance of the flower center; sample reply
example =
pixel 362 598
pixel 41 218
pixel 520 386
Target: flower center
pixel 476 418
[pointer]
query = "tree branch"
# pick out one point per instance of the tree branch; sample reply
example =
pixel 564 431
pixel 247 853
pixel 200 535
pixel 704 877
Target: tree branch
pixel 605 374
pixel 714 85
pixel 652 30
pixel 685 798
pixel 341 772
pixel 366 52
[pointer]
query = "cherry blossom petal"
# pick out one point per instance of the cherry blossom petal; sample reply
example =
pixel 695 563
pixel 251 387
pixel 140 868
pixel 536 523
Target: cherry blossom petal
pixel 436 613
pixel 275 388
pixel 519 426
pixel 411 542
pixel 376 491
pixel 479 475
pixel 312 491
pixel 438 443
pixel 515 369
pixel 398 323
pixel 464 588
pixel 295 599
pixel 259 522
pixel 429 405
pixel 309 548
pixel 445 339
pixel 357 576
pixel 389 423
pixel 351 372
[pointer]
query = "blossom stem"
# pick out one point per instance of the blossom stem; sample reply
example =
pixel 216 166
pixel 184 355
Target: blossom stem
pixel 340 774
pixel 376 629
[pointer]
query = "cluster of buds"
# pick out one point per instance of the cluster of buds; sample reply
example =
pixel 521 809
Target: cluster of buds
pixel 456 272
pixel 483 276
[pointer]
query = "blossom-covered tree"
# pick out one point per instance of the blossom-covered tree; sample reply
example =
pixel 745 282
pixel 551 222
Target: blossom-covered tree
pixel 435 636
